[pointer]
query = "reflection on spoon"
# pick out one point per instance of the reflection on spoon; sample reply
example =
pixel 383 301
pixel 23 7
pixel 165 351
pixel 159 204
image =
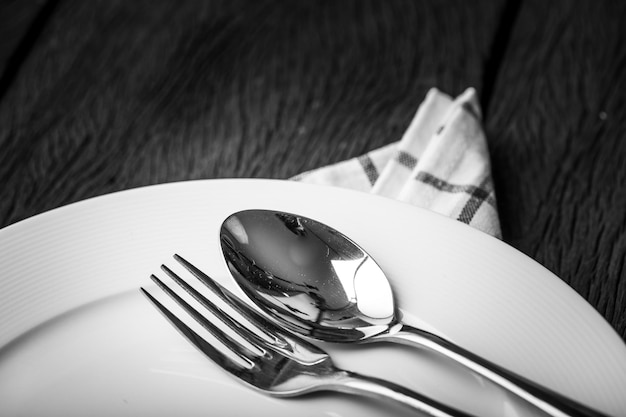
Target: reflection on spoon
pixel 317 282
pixel 320 283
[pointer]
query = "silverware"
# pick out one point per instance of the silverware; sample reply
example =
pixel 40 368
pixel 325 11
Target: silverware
pixel 315 281
pixel 275 362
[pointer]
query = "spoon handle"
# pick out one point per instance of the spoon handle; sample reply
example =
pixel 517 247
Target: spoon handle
pixel 552 403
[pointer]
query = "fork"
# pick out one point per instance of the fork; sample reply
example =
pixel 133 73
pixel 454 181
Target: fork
pixel 273 361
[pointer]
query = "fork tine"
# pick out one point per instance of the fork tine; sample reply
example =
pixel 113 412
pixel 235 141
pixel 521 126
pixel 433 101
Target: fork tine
pixel 226 339
pixel 253 325
pixel 215 354
pixel 232 324
pixel 268 331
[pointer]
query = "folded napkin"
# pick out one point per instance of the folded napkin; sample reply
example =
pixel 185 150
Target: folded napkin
pixel 441 164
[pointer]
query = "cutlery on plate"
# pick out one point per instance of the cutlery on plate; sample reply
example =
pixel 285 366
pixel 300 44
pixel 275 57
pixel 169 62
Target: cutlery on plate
pixel 269 359
pixel 316 282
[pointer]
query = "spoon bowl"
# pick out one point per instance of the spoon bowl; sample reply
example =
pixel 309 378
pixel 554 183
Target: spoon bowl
pixel 322 285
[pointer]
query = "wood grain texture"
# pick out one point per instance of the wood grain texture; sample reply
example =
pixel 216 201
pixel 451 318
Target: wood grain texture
pixel 121 94
pixel 17 19
pixel 557 136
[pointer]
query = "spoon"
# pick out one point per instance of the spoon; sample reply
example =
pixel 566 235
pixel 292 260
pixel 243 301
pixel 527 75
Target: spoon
pixel 317 282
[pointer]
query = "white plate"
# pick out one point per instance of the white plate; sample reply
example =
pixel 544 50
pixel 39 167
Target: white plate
pixel 77 338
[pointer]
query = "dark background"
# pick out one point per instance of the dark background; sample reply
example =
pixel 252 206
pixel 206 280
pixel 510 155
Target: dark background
pixel 101 96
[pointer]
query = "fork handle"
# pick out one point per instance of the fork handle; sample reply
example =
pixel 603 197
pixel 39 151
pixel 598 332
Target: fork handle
pixel 550 402
pixel 353 383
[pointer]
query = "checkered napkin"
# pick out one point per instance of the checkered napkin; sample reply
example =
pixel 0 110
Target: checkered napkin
pixel 441 163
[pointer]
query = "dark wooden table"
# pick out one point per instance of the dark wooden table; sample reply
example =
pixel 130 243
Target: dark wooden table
pixel 97 97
